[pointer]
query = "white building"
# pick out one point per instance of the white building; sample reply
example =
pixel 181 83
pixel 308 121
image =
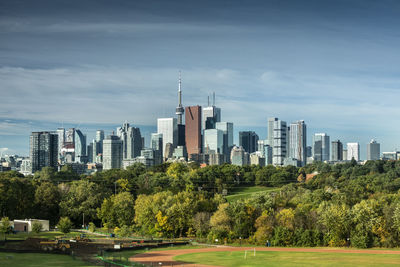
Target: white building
pixel 298 142
pixel 280 143
pixel 213 141
pixel 112 153
pixel 168 127
pixel 353 151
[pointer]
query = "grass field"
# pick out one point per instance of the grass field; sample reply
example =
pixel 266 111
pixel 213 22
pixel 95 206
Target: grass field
pixel 38 260
pixel 283 259
pixel 247 192
pixel 49 235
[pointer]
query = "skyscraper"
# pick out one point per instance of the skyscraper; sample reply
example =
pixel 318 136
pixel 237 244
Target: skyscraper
pixel 157 146
pixel 337 150
pixel 213 141
pixel 132 141
pixel 61 139
pixel 193 129
pixel 169 130
pixel 248 140
pixel 80 147
pixel 211 115
pixel 112 152
pixel 298 142
pixel 321 147
pixel 43 150
pixel 270 138
pixel 353 151
pixel 239 156
pixel 373 150
pixel 227 130
pixel 280 143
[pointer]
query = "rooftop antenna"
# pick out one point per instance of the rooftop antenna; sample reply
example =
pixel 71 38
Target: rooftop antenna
pixel 208 100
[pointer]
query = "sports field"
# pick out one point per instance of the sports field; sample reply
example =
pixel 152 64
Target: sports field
pixel 39 260
pixel 282 259
pixel 238 256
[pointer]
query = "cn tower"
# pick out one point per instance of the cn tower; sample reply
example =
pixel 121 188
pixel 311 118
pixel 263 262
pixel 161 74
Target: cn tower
pixel 179 109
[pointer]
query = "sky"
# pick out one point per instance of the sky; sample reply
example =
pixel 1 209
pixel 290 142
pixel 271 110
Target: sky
pixel 94 64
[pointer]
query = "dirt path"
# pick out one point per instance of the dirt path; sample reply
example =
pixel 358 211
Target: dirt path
pixel 166 256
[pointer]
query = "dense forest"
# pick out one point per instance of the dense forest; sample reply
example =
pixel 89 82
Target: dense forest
pixel 317 205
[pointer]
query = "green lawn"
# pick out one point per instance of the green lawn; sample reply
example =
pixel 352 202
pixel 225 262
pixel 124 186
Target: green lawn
pixel 49 235
pixel 283 259
pixel 247 192
pixel 39 260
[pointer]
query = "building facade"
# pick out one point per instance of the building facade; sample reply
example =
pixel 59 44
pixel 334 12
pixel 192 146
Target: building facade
pixel 337 151
pixel 353 151
pixel 373 150
pixel 43 150
pixel 131 141
pixel 298 142
pixel 112 152
pixel 248 140
pixel 193 129
pixel 321 147
pixel 280 143
pixel 168 127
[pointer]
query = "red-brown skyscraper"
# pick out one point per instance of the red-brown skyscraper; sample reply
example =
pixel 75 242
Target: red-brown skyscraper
pixel 193 129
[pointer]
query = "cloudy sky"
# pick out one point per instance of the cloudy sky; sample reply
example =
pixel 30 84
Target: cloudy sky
pixel 96 63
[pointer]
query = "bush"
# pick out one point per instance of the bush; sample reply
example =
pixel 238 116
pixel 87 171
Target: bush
pixel 64 225
pixel 92 227
pixel 124 231
pixel 37 227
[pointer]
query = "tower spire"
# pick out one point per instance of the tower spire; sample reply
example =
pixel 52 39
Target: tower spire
pixel 179 108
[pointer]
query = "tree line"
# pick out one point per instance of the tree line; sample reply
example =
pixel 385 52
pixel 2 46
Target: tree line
pixel 338 205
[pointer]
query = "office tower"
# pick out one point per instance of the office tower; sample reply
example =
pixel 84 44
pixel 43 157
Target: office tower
pixel 309 151
pixel 248 140
pixel 390 156
pixel 193 129
pixel 239 156
pixel 213 141
pixel 70 135
pixel 337 150
pixel 344 154
pixel 321 147
pixel 89 151
pixel 112 152
pixel 353 151
pixel 270 137
pixel 373 150
pixel 227 130
pixel 279 152
pixel 169 150
pixel 169 130
pixel 211 115
pixel 80 147
pixel 298 142
pixel 99 136
pixel 43 150
pixel 156 144
pixel 257 158
pixel 61 139
pixel 131 141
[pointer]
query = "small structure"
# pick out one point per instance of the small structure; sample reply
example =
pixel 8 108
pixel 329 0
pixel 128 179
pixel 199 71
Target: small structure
pixel 26 225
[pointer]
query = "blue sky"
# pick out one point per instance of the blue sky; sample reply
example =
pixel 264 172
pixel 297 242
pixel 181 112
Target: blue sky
pixel 98 63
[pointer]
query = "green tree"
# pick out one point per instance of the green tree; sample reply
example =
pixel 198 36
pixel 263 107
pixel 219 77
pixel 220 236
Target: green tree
pixel 118 210
pixel 82 198
pixel 64 225
pixel 36 227
pixel 5 226
pixel 47 200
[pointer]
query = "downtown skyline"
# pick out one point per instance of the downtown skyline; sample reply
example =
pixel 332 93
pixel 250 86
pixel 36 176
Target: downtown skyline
pixel 331 64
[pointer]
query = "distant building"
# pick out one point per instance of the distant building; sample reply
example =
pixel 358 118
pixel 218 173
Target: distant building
pixel 61 140
pixel 344 154
pixel 193 129
pixel 270 139
pixel 353 151
pixel 298 142
pixel 337 150
pixel 210 116
pixel 213 141
pixel 131 141
pixel 157 146
pixel 227 130
pixel 248 140
pixel 112 152
pixel 43 150
pixel 257 158
pixel 280 142
pixel 239 156
pixel 169 129
pixel 321 147
pixel 80 147
pixel 373 150
pixel 390 155
pixel 180 152
pixel 26 167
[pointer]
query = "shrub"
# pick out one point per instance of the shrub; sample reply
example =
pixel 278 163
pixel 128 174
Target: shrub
pixel 37 227
pixel 64 225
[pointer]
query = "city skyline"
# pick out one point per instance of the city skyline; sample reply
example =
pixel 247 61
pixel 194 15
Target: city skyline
pixel 331 64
